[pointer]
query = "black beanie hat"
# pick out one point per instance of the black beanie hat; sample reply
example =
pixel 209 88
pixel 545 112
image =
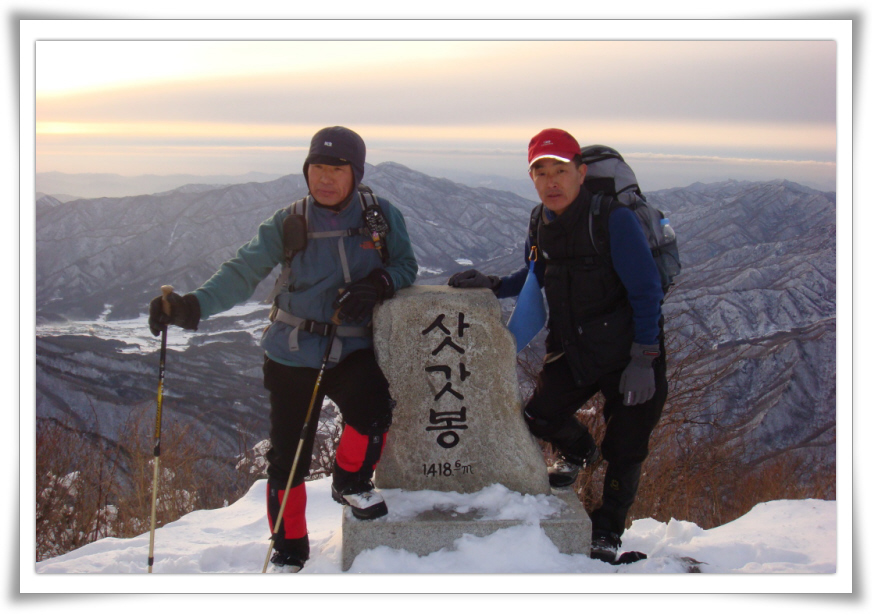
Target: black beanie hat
pixel 337 146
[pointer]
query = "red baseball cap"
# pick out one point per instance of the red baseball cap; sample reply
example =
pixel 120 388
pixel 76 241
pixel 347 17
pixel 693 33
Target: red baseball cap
pixel 552 143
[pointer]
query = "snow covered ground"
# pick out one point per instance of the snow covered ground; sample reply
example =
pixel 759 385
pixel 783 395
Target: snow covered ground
pixel 134 331
pixel 774 537
pixel 758 553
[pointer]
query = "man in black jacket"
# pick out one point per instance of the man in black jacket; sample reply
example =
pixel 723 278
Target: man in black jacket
pixel 605 331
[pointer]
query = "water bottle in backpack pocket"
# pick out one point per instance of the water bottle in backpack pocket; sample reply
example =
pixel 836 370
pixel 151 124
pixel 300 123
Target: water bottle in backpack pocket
pixel 668 262
pixel 661 240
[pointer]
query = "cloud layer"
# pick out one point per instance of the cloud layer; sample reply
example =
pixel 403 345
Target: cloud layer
pixel 260 102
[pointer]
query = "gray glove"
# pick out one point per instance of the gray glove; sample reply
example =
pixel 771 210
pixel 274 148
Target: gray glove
pixel 474 279
pixel 637 381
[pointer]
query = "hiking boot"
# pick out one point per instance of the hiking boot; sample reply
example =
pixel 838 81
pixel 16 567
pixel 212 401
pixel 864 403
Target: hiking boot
pixel 563 473
pixel 604 546
pixel 365 502
pixel 284 561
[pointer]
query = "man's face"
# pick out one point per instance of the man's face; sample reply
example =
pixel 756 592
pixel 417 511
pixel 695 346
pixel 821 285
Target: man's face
pixel 557 182
pixel 330 185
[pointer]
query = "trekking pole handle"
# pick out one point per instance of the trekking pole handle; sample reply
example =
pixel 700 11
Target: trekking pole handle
pixel 165 291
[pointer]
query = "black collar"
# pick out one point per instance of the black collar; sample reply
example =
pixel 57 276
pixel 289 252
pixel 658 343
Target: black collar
pixel 579 207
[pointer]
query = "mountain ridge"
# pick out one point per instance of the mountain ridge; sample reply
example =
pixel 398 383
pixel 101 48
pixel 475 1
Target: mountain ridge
pixel 756 297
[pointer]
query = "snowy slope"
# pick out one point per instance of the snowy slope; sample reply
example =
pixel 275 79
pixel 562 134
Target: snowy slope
pixel 774 537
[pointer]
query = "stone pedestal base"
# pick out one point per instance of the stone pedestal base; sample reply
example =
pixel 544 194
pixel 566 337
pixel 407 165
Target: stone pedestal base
pixel 458 428
pixel 433 530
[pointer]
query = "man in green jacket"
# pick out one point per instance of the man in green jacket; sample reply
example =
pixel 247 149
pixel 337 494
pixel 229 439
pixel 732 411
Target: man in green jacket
pixel 340 272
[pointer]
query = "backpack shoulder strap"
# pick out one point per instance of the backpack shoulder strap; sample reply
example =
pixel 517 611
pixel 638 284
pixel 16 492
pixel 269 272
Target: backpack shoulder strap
pixel 368 198
pixel 601 207
pixel 298 206
pixel 302 204
pixel 294 209
pixel 282 280
pixel 374 218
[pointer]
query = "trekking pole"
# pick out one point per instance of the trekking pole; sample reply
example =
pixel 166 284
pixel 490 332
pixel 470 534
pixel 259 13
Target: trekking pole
pixel 165 290
pixel 303 434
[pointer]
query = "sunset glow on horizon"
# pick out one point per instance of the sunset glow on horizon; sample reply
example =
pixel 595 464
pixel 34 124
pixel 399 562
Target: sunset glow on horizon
pixel 212 107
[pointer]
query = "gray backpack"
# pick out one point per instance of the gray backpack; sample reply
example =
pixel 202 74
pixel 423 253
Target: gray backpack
pixel 608 174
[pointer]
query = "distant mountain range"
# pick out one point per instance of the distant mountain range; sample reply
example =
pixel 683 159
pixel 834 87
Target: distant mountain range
pixel 117 251
pixel 757 291
pixel 759 286
pixel 67 187
pixel 94 185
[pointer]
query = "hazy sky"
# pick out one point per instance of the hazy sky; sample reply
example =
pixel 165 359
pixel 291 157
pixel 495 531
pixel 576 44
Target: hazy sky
pixel 680 110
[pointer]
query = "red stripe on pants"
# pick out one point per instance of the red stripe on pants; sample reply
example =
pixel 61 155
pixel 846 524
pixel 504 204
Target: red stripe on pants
pixel 351 451
pixel 294 517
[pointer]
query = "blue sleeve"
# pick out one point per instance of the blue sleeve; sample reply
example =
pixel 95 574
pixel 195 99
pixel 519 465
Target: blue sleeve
pixel 236 280
pixel 635 265
pixel 511 285
pixel 403 267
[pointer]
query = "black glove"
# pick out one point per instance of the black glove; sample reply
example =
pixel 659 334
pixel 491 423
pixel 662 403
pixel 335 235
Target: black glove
pixel 637 381
pixel 357 301
pixel 184 313
pixel 474 279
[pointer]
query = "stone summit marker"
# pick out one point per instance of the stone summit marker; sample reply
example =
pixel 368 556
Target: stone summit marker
pixel 458 424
